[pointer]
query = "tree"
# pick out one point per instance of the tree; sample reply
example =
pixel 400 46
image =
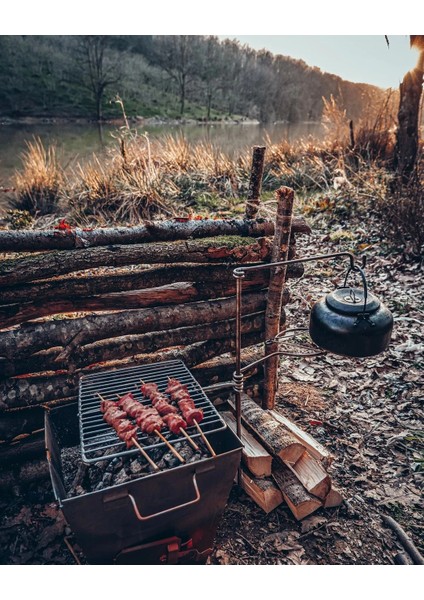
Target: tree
pixel 407 135
pixel 177 56
pixel 100 70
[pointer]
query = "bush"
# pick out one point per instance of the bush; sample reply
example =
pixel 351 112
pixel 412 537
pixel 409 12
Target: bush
pixel 402 215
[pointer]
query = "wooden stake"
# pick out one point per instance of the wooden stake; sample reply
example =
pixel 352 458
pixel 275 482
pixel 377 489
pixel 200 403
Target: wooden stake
pixel 255 183
pixel 280 250
pixel 204 438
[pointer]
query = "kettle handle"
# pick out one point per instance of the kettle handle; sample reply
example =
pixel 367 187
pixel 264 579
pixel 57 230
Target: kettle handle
pixel 357 269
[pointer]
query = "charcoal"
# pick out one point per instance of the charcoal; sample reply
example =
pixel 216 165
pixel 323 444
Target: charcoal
pixel 156 454
pixel 94 476
pixel 160 463
pixel 137 467
pixel 186 451
pixel 103 454
pixel 120 477
pixel 79 477
pixel 70 459
pixel 194 457
pixel 171 460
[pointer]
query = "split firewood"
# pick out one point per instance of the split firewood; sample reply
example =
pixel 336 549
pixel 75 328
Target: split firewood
pixel 263 492
pixel 270 432
pixel 312 475
pixel 254 456
pixel 315 449
pixel 333 498
pixel 299 501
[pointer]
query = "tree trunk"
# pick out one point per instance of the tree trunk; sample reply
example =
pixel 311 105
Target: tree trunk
pixel 175 293
pixel 280 252
pixel 74 333
pixel 59 262
pixel 155 231
pixel 407 134
pixel 127 346
pixel 47 389
pixel 104 283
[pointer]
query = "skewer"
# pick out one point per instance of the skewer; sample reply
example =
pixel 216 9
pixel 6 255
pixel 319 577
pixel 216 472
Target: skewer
pixel 141 449
pixel 146 456
pixel 174 452
pixel 183 431
pixel 192 442
pixel 204 438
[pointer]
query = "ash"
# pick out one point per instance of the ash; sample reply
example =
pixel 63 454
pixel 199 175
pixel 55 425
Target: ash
pixel 80 478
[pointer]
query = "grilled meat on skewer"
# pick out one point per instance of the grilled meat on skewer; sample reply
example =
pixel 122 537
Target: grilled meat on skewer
pixel 147 418
pixel 115 417
pixel 179 393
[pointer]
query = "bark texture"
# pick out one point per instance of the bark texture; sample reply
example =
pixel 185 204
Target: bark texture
pixel 255 183
pixel 55 239
pixel 280 252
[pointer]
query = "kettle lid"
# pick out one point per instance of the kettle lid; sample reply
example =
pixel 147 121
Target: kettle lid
pixel 350 301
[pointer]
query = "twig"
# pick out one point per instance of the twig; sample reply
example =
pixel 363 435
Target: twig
pixel 71 550
pixel 405 540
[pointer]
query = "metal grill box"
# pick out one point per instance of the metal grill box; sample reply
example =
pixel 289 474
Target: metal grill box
pixel 166 517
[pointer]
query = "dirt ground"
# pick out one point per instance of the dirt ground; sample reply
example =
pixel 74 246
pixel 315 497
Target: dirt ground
pixel 368 412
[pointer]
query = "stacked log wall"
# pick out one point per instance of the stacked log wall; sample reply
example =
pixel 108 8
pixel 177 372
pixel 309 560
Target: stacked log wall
pixel 76 301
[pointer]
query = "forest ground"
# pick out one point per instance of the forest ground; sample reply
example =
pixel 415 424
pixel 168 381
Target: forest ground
pixel 368 412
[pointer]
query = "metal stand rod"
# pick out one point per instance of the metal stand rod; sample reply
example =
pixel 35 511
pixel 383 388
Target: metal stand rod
pixel 239 273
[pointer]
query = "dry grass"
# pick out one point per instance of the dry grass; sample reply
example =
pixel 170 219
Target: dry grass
pixel 38 187
pixel 139 179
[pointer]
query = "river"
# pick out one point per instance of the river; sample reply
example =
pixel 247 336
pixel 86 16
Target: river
pixel 77 142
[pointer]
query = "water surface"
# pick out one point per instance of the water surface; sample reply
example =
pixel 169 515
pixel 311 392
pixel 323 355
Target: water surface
pixel 77 142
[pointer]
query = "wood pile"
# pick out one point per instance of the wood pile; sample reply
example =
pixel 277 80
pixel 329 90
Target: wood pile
pixel 282 463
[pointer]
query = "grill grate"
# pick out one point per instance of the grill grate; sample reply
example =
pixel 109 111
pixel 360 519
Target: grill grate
pixel 98 438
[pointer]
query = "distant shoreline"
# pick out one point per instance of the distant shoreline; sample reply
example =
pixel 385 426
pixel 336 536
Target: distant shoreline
pixel 121 122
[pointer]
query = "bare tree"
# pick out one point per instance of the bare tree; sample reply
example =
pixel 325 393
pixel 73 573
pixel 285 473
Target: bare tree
pixel 177 56
pixel 100 70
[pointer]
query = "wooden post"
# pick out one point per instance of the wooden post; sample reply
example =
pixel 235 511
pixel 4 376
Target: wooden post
pixel 280 250
pixel 255 184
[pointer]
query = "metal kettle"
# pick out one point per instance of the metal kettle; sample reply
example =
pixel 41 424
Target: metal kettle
pixel 351 322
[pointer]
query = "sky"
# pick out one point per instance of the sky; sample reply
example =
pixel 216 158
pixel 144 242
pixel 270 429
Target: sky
pixel 357 58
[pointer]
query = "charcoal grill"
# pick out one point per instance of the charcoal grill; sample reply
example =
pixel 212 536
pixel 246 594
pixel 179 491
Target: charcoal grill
pixel 98 438
pixel 169 516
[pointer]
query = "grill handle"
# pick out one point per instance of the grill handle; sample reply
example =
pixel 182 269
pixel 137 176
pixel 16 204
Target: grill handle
pixel 168 510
